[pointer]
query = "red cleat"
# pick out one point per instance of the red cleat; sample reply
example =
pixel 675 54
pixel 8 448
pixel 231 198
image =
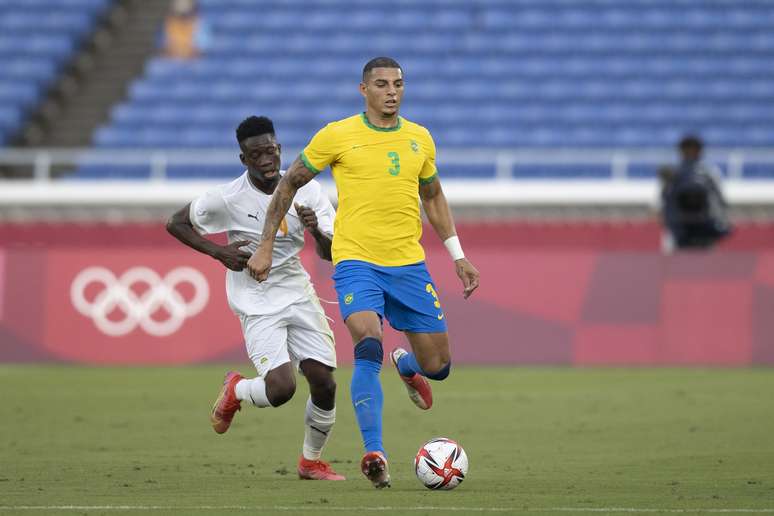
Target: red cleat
pixel 316 470
pixel 374 467
pixel 227 404
pixel 418 387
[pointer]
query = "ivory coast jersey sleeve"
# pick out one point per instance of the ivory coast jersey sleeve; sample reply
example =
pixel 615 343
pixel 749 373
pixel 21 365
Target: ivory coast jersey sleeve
pixel 377 173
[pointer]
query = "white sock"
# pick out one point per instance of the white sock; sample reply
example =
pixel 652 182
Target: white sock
pixel 252 390
pixel 318 428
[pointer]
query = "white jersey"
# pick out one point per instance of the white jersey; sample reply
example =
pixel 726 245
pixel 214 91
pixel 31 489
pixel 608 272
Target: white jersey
pixel 239 208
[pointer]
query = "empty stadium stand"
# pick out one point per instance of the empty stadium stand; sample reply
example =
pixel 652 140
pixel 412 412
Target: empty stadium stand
pixel 479 73
pixel 37 40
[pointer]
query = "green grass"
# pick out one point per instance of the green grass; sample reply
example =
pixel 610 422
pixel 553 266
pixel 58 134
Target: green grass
pixel 537 439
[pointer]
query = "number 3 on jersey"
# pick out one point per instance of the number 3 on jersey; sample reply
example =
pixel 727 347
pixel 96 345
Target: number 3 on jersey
pixel 394 170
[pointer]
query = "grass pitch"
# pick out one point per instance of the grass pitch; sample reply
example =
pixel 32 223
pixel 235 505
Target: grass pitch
pixel 81 440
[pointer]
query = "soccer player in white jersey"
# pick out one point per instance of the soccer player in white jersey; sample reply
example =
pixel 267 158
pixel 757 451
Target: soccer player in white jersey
pixel 282 320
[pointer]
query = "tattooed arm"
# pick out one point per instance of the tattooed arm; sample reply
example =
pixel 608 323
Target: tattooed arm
pixel 297 176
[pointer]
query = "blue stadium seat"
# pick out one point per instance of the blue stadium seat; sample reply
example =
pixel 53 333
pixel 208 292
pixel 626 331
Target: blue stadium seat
pixel 58 20
pixel 53 45
pixel 456 171
pixel 10 116
pixel 206 171
pixel 18 94
pixel 561 172
pixel 758 171
pixel 87 171
pixel 88 6
pixel 37 70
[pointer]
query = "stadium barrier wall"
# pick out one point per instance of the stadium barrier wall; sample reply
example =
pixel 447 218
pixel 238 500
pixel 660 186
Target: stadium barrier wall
pixel 551 293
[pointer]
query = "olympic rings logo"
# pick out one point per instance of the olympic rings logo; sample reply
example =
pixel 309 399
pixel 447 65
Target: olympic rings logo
pixel 137 310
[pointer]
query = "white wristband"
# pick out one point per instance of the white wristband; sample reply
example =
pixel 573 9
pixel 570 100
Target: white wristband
pixel 454 247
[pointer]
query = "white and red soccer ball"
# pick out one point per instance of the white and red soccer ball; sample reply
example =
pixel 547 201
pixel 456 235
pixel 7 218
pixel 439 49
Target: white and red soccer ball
pixel 441 464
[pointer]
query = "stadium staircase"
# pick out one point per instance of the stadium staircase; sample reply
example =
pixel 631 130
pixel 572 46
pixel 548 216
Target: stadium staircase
pixel 38 39
pixel 99 75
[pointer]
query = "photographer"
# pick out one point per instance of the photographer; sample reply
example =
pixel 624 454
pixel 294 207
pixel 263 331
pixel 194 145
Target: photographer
pixel 694 210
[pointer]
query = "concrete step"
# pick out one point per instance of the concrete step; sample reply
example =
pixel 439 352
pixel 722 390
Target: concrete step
pixel 100 75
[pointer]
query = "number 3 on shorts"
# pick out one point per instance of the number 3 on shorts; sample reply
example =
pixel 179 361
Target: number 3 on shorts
pixel 430 290
pixel 394 170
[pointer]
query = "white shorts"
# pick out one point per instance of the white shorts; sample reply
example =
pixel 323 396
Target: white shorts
pixel 299 332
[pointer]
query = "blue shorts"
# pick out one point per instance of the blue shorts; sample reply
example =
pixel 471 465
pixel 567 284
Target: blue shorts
pixel 405 295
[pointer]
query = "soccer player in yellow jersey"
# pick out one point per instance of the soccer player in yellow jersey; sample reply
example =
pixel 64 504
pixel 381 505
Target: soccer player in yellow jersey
pixel 383 166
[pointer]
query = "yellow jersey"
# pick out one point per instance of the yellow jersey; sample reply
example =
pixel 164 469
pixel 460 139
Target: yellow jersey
pixel 377 173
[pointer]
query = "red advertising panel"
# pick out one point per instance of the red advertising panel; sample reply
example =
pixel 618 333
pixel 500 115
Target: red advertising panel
pixel 137 306
pixel 586 294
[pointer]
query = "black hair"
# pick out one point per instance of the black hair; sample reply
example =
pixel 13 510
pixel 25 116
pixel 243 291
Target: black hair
pixel 254 126
pixel 380 62
pixel 691 141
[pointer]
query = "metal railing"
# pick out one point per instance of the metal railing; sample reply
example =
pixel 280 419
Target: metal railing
pixel 506 163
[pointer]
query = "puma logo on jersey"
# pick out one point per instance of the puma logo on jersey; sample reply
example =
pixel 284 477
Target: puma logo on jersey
pixel 283 225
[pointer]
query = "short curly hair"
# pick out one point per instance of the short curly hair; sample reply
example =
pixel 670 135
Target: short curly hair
pixel 254 126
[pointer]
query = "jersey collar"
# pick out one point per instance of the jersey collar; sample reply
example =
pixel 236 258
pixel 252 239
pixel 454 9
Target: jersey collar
pixel 365 120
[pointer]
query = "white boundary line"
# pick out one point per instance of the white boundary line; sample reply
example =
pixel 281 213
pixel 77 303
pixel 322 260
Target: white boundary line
pixel 317 508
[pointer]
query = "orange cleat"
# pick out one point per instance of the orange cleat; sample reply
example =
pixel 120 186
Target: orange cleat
pixel 227 404
pixel 418 387
pixel 374 467
pixel 316 470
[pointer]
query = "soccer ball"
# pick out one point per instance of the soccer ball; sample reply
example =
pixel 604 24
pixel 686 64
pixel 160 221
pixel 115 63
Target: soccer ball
pixel 441 464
